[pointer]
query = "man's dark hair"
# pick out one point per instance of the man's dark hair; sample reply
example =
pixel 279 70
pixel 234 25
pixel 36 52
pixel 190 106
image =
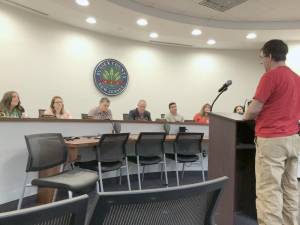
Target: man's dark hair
pixel 276 48
pixel 171 103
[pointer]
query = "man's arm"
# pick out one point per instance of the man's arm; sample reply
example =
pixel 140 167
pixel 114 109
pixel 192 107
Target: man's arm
pixel 253 110
pixel 131 115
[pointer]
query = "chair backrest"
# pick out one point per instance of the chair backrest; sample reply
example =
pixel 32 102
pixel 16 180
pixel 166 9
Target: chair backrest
pixel 190 204
pixel 111 147
pixel 150 144
pixel 188 143
pixel 45 151
pixel 125 116
pixel 66 212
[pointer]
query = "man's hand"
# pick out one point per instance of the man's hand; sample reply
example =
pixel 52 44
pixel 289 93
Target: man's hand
pixel 253 110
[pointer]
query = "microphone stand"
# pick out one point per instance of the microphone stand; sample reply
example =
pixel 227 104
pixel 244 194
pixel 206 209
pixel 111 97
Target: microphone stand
pixel 225 89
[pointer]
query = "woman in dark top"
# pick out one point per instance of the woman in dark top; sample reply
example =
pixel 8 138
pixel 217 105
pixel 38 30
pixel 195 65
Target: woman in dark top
pixel 10 105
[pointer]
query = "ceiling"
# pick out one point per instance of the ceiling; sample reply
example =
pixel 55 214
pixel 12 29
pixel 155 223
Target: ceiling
pixel 174 20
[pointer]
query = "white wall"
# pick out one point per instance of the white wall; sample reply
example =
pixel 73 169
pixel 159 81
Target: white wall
pixel 41 58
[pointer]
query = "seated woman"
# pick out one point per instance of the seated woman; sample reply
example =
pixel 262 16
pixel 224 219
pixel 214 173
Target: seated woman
pixel 57 109
pixel 10 105
pixel 239 109
pixel 202 116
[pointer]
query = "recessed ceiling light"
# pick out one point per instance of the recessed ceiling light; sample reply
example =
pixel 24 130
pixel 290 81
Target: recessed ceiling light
pixel 83 2
pixel 251 36
pixel 142 22
pixel 153 35
pixel 91 20
pixel 196 32
pixel 211 42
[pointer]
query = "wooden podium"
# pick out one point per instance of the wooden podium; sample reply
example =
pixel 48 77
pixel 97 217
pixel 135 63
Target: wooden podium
pixel 232 154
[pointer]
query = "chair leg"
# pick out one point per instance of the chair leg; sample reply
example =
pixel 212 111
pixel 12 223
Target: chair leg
pixel 54 195
pixel 22 193
pixel 176 168
pixel 100 177
pixel 161 171
pixel 166 173
pixel 139 175
pixel 182 173
pixel 97 186
pixel 70 194
pixel 128 178
pixel 143 174
pixel 202 166
pixel 120 178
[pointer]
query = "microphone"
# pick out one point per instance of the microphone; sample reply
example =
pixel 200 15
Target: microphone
pixel 221 91
pixel 225 86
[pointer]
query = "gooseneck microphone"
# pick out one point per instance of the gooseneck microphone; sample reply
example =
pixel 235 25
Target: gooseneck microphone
pixel 221 91
pixel 225 86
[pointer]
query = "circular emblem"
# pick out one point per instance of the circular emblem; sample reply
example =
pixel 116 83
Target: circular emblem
pixel 110 77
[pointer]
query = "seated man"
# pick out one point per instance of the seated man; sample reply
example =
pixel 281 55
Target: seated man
pixel 101 112
pixel 173 116
pixel 140 113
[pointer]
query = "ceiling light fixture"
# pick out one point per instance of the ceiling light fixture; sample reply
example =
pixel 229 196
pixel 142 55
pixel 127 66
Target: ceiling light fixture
pixel 142 22
pixel 83 2
pixel 153 35
pixel 91 20
pixel 251 36
pixel 211 42
pixel 196 32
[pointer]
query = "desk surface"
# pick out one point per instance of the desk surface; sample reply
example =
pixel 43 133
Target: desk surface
pixel 6 119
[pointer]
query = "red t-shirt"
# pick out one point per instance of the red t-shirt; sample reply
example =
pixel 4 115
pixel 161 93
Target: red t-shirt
pixel 201 119
pixel 279 90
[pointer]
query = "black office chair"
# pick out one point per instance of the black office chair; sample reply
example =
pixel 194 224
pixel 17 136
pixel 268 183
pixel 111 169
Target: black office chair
pixel 149 150
pixel 111 155
pixel 47 151
pixel 192 204
pixel 66 212
pixel 187 149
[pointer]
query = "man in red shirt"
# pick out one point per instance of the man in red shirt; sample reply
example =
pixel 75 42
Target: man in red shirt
pixel 276 109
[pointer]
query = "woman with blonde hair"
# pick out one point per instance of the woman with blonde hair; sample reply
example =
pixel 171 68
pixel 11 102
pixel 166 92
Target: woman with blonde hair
pixel 57 109
pixel 10 105
pixel 202 116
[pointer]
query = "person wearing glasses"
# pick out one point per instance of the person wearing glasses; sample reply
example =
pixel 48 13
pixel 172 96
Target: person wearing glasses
pixel 10 106
pixel 57 109
pixel 101 112
pixel 276 109
pixel 140 113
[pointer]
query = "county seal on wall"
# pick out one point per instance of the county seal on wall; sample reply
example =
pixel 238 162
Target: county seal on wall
pixel 110 77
